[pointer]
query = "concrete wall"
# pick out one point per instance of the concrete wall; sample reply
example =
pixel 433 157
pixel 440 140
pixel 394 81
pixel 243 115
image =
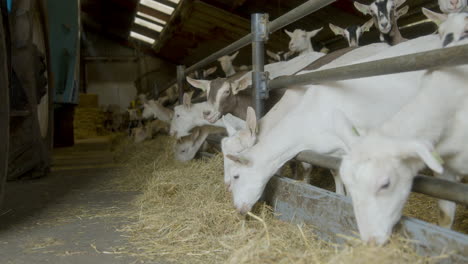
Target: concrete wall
pixel 113 71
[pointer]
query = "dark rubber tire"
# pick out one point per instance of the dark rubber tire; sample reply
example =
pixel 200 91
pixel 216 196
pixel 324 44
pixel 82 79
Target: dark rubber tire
pixel 29 60
pixel 4 108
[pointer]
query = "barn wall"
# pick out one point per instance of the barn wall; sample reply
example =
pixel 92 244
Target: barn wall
pixel 114 71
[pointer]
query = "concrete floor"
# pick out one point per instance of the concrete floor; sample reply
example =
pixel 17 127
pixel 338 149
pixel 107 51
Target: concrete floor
pixel 68 216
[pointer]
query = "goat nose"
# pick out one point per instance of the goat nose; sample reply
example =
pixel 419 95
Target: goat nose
pixel 244 209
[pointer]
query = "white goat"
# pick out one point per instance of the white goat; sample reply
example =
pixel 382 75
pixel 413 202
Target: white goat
pixel 187 147
pixel 187 116
pixel 352 34
pixel 239 137
pixel 379 168
pixel 226 64
pixel 453 6
pixel 301 40
pixel 278 56
pixel 154 109
pixel 370 100
pixel 172 93
pixel 385 15
pixel 226 95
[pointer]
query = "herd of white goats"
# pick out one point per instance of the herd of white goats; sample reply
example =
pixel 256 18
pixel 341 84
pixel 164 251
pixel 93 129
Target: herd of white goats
pixel 385 128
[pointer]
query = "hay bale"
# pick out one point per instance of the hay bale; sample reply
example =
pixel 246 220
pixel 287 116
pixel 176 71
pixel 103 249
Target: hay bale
pixel 88 123
pixel 88 101
pixel 184 215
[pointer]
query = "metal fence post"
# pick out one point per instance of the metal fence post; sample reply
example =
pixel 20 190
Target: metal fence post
pixel 259 76
pixel 181 81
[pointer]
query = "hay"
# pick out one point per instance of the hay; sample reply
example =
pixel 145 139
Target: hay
pixel 89 123
pixel 184 215
pixel 88 100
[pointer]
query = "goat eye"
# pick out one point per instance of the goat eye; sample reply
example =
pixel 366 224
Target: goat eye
pixel 183 151
pixel 236 177
pixel 385 186
pixel 178 116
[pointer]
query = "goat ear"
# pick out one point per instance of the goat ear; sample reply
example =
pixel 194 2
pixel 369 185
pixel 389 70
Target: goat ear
pixel 290 34
pixel 367 26
pixel 336 30
pixel 187 100
pixel 344 129
pixel 203 85
pixel 238 159
pixel 365 9
pixel 210 71
pixel 399 3
pixel 313 33
pixel 434 17
pixel 401 12
pixel 233 56
pixel 195 134
pixel 251 121
pixel 426 153
pixel 241 84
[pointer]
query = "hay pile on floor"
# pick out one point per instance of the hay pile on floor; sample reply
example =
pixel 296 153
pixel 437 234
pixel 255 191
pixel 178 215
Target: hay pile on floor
pixel 184 215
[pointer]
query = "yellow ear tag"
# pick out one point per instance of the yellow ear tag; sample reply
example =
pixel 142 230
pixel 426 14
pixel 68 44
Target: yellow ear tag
pixel 437 157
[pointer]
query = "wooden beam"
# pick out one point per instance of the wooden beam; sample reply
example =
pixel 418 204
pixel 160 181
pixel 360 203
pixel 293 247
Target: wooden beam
pixel 145 31
pixel 154 13
pixel 180 14
pixel 167 3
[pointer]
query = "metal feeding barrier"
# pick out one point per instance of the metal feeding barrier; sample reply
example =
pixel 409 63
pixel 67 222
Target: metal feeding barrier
pixel 331 212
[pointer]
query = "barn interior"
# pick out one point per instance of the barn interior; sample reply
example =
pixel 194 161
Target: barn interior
pixel 197 29
pixel 113 197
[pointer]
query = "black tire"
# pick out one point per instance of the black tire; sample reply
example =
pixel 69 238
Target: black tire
pixel 31 139
pixel 4 107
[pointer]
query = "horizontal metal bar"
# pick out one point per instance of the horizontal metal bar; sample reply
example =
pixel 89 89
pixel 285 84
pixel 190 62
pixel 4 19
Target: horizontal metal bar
pixel 286 19
pixel 452 56
pixel 442 189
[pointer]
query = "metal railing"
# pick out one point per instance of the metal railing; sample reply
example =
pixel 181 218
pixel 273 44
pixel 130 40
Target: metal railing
pixel 441 189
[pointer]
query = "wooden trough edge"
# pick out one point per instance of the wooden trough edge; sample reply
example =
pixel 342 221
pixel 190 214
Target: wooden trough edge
pixel 333 214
